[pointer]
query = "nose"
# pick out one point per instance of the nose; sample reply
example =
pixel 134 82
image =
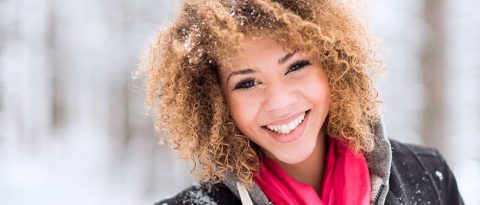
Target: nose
pixel 278 97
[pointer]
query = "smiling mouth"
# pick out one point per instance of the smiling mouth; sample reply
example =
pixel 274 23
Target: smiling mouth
pixel 288 127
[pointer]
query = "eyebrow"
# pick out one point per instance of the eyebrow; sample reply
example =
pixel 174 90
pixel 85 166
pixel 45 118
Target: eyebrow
pixel 250 70
pixel 286 57
pixel 240 72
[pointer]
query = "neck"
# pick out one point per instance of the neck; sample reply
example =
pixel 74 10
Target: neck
pixel 309 171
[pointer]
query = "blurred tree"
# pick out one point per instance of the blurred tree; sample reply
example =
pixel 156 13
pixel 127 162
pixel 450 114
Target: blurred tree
pixel 57 89
pixel 434 75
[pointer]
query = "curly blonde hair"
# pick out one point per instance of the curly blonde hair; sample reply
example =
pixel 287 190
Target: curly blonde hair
pixel 183 88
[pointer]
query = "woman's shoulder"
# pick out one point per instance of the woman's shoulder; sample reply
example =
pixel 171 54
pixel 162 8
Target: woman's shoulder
pixel 407 158
pixel 427 158
pixel 203 194
pixel 422 171
pixel 407 149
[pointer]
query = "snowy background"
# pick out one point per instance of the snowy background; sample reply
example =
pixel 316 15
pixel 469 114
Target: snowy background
pixel 73 128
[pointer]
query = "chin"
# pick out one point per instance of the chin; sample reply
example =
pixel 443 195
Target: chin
pixel 293 161
pixel 295 156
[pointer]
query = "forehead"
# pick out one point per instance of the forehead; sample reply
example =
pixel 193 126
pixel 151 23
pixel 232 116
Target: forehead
pixel 253 51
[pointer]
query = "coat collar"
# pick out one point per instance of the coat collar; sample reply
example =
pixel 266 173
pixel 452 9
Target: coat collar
pixel 379 162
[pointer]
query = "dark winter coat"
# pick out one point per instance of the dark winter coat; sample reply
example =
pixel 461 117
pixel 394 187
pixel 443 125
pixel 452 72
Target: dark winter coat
pixel 400 174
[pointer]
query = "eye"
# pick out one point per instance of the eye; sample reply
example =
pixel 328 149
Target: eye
pixel 245 84
pixel 297 66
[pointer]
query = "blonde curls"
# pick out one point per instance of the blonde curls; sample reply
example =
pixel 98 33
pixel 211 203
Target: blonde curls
pixel 183 88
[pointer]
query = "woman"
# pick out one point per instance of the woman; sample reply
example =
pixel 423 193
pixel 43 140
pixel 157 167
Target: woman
pixel 274 102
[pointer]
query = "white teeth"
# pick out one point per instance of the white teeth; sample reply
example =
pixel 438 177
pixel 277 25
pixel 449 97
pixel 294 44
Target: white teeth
pixel 287 128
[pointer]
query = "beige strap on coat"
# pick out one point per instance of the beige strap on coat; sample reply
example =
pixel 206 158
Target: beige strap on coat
pixel 244 196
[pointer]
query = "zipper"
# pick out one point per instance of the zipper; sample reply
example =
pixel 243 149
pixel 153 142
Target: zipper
pixel 377 197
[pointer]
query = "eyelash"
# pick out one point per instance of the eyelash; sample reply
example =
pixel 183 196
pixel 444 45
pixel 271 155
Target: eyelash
pixel 298 65
pixel 250 82
pixel 243 83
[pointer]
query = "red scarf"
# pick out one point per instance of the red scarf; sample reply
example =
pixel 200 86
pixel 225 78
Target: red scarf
pixel 346 180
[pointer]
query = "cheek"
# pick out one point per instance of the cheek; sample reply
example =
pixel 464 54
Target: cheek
pixel 319 93
pixel 244 111
pixel 316 88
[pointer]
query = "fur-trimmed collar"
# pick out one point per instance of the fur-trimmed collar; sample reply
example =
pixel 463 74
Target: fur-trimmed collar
pixel 379 162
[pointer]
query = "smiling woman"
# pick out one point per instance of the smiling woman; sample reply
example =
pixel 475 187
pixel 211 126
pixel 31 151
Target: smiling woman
pixel 280 105
pixel 274 101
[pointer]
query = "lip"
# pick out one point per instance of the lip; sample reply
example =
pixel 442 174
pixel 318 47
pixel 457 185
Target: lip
pixel 286 120
pixel 292 136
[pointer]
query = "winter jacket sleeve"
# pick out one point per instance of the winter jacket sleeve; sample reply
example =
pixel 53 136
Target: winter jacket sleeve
pixel 452 195
pixel 421 174
pixel 203 194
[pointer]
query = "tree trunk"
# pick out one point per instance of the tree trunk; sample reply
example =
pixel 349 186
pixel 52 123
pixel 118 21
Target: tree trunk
pixel 434 75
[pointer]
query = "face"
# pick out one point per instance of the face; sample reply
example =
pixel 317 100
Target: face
pixel 278 99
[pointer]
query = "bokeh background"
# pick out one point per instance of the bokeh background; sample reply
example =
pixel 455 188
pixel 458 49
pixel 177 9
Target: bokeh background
pixel 74 129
